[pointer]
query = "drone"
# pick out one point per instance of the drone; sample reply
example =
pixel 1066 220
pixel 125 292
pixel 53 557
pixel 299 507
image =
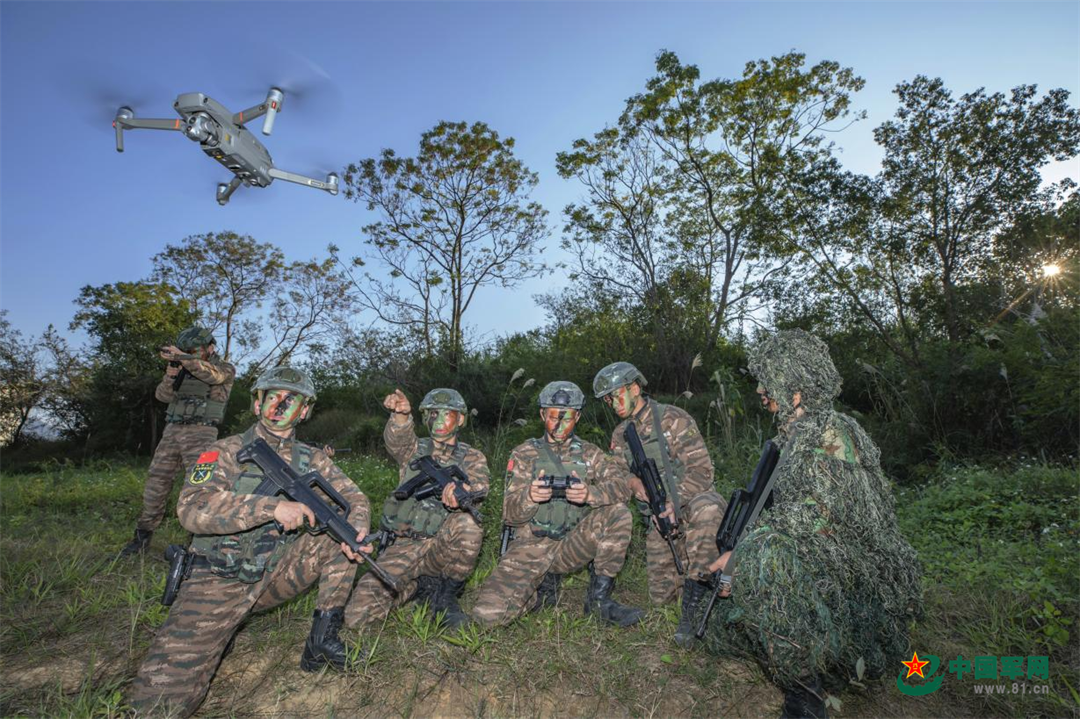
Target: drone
pixel 224 137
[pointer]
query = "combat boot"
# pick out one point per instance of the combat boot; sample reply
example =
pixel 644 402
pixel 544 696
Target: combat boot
pixel 547 594
pixel 446 600
pixel 323 647
pixel 805 702
pixel 692 594
pixel 598 599
pixel 139 544
pixel 427 587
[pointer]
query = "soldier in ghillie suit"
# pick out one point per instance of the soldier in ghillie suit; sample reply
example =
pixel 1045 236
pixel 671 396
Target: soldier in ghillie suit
pixel 824 578
pixel 242 562
pixel 196 387
pixel 436 543
pixel 589 525
pixel 670 437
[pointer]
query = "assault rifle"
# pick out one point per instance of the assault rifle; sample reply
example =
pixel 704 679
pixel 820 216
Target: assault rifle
pixel 646 471
pixel 559 485
pixel 742 511
pixel 179 378
pixel 431 479
pixel 283 479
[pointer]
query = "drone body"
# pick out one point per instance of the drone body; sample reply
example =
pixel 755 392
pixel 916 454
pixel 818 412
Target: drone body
pixel 224 137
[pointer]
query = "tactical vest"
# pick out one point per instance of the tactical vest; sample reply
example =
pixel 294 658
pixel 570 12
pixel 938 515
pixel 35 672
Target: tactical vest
pixel 656 448
pixel 409 517
pixel 192 405
pixel 248 555
pixel 557 517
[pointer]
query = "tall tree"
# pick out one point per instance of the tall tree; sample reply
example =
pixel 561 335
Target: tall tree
pixel 22 381
pixel 127 322
pixel 687 181
pixel 455 218
pixel 958 171
pixel 223 276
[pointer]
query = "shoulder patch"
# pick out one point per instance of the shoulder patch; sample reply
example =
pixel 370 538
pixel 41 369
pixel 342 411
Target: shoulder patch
pixel 510 466
pixel 207 457
pixel 203 471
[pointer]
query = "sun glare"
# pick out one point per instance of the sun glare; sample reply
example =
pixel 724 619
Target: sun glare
pixel 1051 270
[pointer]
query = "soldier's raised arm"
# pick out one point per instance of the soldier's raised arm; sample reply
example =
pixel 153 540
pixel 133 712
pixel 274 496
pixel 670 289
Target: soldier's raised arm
pixel 207 503
pixel 399 435
pixel 210 372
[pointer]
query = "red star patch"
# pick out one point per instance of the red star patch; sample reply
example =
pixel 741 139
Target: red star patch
pixel 915 666
pixel 207 457
pixel 510 466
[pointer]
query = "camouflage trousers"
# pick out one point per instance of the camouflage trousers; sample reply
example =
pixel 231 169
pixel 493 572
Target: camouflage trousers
pixel 696 546
pixel 601 537
pixel 179 448
pixel 176 674
pixel 451 553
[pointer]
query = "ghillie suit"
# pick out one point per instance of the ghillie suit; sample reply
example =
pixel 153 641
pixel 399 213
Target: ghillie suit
pixel 824 578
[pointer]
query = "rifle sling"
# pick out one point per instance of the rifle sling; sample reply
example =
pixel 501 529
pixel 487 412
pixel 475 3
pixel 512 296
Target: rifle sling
pixel 669 475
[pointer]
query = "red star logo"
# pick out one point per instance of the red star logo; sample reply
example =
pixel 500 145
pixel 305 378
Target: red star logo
pixel 915 666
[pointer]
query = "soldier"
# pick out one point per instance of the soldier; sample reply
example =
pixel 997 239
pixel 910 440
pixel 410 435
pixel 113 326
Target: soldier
pixel 591 526
pixel 241 562
pixel 436 543
pixel 196 387
pixel 824 579
pixel 671 438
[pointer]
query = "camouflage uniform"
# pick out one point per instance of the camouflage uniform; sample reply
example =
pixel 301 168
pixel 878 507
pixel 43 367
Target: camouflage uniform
pixel 699 508
pixel 824 577
pixel 601 536
pixel 250 567
pixel 450 552
pixel 189 429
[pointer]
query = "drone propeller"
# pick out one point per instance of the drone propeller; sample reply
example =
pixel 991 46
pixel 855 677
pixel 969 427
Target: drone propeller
pixel 310 92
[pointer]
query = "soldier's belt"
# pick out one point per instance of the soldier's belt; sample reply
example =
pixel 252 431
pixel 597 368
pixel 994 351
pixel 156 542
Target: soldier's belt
pixel 188 421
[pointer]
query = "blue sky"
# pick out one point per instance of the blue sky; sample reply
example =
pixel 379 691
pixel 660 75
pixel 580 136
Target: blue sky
pixel 74 212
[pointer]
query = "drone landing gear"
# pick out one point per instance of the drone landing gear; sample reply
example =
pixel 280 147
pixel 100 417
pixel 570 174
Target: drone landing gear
pixel 224 192
pixel 330 185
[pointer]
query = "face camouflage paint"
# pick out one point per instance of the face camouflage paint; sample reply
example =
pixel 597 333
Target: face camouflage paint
pixel 281 409
pixel 622 401
pixel 560 423
pixel 442 423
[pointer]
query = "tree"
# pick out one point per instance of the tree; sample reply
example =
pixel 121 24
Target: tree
pixel 313 301
pixel 222 276
pixel 454 218
pixel 22 381
pixel 127 322
pixel 959 171
pixel 688 182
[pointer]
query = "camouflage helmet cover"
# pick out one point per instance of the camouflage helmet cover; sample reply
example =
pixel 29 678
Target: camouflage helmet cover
pixel 194 337
pixel 444 398
pixel 615 375
pixel 793 361
pixel 562 394
pixel 289 378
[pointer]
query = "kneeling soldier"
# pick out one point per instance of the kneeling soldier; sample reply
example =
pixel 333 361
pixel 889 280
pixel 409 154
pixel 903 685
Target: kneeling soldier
pixel 436 543
pixel 588 525
pixel 670 437
pixel 241 562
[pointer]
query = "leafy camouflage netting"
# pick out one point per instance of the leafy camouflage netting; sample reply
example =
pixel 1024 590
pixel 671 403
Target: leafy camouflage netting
pixel 825 577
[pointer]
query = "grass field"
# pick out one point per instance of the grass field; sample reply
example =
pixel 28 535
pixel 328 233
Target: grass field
pixel 999 549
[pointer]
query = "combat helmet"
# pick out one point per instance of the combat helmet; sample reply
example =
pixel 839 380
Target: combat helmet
pixel 615 375
pixel 443 398
pixel 294 380
pixel 194 337
pixel 562 394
